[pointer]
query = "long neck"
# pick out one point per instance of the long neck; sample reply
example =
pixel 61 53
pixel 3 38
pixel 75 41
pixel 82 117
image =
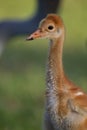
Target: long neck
pixel 55 71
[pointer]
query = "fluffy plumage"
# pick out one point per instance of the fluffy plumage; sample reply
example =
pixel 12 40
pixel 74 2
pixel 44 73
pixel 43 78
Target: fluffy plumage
pixel 66 103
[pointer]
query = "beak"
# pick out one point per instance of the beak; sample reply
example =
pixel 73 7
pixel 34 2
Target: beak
pixel 35 35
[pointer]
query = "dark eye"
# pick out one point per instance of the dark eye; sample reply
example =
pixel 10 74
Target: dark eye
pixel 50 27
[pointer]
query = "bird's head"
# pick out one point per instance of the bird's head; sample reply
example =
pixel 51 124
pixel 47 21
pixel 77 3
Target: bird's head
pixel 50 27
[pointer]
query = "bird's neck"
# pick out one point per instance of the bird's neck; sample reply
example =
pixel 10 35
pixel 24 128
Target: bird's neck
pixel 55 72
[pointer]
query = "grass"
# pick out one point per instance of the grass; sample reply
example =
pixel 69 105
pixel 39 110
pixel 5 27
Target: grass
pixel 22 65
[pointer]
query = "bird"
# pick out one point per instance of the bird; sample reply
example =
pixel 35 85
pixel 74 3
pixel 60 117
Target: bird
pixel 66 103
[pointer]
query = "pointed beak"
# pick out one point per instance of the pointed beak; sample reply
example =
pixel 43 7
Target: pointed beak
pixel 35 35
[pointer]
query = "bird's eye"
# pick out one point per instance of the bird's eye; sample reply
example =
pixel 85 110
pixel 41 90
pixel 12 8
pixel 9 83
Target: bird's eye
pixel 50 27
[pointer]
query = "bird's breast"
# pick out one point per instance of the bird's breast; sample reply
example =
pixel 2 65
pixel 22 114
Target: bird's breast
pixel 61 116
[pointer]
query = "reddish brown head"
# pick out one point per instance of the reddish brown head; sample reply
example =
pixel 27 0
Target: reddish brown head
pixel 50 27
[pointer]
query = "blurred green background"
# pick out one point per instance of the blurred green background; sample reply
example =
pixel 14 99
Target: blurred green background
pixel 22 65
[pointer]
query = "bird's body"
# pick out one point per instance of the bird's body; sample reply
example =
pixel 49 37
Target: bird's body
pixel 66 104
